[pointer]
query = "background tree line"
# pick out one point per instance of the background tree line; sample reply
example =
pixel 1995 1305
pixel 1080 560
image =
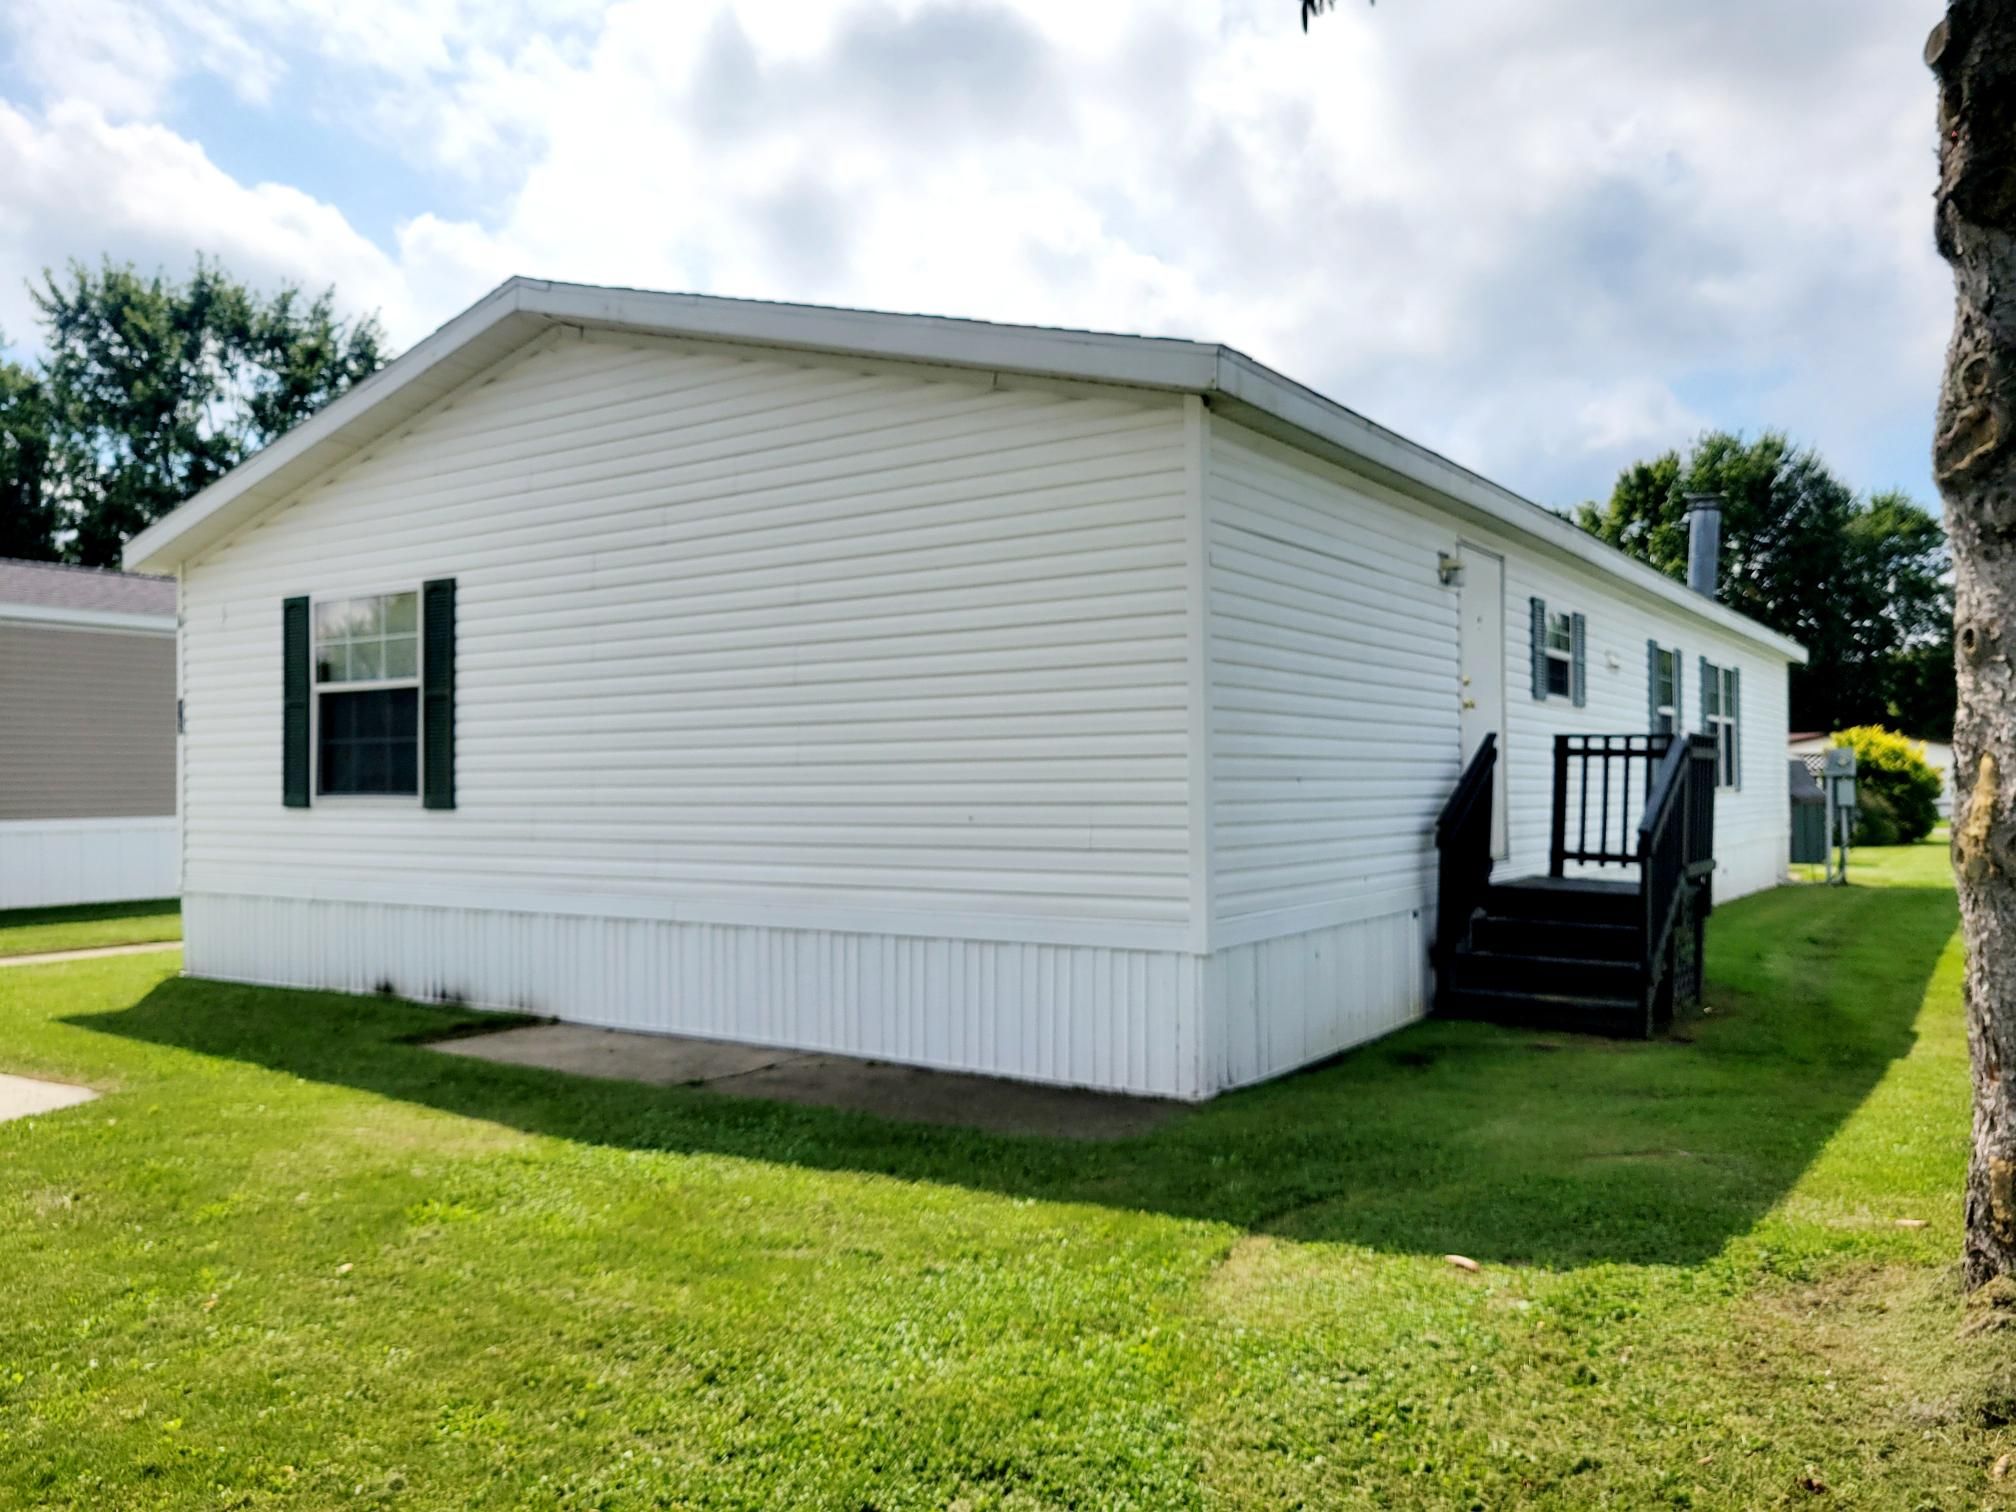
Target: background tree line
pixel 151 389
pixel 1864 583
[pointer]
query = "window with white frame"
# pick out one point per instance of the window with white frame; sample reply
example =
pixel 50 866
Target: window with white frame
pixel 1666 691
pixel 1720 713
pixel 367 695
pixel 1560 655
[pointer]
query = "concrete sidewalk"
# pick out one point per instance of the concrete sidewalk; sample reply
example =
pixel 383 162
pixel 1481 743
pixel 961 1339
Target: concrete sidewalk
pixel 24 1096
pixel 908 1093
pixel 43 958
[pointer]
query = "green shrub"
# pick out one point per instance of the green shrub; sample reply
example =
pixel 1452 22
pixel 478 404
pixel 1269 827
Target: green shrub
pixel 1896 788
pixel 1875 819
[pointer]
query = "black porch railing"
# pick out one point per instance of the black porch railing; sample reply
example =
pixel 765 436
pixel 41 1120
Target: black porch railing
pixel 1587 952
pixel 1601 787
pixel 1676 862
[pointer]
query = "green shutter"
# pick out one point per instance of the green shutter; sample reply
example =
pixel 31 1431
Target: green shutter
pixel 437 694
pixel 1578 676
pixel 1679 694
pixel 1707 694
pixel 1735 713
pixel 1539 647
pixel 1652 685
pixel 294 656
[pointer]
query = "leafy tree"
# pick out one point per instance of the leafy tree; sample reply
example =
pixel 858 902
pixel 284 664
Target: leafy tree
pixel 1895 787
pixel 1923 694
pixel 27 513
pixel 1861 583
pixel 154 389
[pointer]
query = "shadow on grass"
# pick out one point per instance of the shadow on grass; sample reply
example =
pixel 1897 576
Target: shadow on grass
pixel 86 913
pixel 1505 1145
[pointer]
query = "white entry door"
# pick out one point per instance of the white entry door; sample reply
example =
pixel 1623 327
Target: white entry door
pixel 1483 671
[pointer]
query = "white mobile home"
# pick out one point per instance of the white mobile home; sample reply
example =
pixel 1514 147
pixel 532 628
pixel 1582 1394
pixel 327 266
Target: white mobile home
pixel 1040 703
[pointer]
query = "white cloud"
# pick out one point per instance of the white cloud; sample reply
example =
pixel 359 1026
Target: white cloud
pixel 1541 238
pixel 112 53
pixel 77 184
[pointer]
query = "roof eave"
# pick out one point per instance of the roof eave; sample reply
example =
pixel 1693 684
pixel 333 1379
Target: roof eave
pixel 519 308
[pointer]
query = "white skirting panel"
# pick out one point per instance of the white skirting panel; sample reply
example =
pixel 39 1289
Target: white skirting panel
pixel 1281 1003
pixel 1123 1020
pixel 1751 864
pixel 48 862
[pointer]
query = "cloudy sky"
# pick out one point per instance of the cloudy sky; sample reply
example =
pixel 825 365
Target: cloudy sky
pixel 1543 238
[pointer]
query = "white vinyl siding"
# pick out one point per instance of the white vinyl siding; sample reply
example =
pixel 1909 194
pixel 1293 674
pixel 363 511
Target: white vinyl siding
pixel 1334 693
pixel 741 634
pixel 1751 826
pixel 1334 698
pixel 1333 704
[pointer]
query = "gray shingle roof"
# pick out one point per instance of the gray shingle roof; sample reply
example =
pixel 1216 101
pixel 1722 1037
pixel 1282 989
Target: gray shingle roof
pixel 52 585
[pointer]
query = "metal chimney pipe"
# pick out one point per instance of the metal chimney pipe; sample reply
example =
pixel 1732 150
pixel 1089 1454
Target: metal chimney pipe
pixel 1704 543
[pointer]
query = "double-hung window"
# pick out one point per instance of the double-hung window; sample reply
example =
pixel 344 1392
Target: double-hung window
pixel 1665 690
pixel 1721 712
pixel 367 695
pixel 1559 668
pixel 1560 655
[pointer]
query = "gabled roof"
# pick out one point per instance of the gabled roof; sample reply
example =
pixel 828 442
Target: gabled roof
pixel 57 593
pixel 1233 383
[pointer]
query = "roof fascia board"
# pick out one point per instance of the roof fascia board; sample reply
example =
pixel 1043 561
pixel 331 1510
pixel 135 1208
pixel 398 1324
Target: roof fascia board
pixel 1298 415
pixel 941 341
pixel 86 619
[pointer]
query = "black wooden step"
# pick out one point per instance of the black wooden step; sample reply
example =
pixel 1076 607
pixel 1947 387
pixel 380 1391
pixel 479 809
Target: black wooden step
pixel 1512 934
pixel 1490 970
pixel 1574 900
pixel 1619 1018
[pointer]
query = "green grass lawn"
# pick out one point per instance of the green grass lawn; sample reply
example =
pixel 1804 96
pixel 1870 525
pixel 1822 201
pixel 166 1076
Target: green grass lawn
pixel 31 931
pixel 292 1259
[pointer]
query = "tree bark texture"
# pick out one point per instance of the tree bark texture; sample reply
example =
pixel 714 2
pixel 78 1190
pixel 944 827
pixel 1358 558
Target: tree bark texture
pixel 1973 54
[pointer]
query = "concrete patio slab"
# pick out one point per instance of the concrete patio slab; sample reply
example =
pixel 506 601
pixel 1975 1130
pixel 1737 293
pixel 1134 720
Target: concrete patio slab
pixel 907 1093
pixel 662 1060
pixel 24 1096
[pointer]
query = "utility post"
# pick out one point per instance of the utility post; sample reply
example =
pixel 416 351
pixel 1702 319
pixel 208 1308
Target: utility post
pixel 1838 777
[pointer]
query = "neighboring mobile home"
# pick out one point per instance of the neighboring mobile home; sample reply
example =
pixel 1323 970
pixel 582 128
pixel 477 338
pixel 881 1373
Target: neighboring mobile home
pixel 1032 702
pixel 87 735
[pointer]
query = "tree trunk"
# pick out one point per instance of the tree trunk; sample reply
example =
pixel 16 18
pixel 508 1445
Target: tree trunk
pixel 1973 53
